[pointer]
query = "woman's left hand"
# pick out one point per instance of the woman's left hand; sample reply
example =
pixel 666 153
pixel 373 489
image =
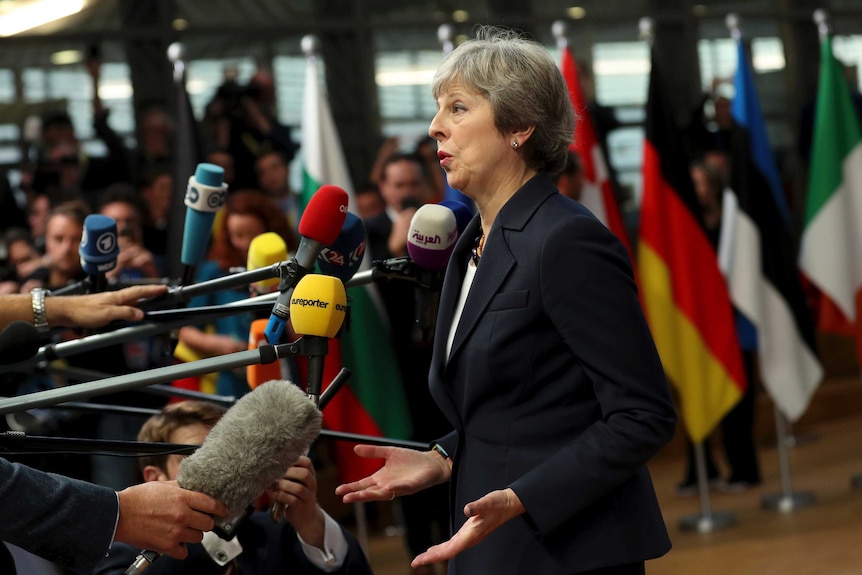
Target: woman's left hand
pixel 484 516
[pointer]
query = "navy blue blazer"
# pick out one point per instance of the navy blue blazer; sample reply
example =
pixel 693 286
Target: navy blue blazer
pixel 555 389
pixel 64 520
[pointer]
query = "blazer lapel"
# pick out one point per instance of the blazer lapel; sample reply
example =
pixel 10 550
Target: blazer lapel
pixel 496 263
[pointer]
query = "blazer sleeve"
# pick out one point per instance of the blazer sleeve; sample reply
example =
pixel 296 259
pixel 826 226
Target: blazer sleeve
pixel 64 520
pixel 589 294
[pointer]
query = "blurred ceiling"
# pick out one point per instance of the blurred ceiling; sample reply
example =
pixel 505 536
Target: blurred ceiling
pixel 230 28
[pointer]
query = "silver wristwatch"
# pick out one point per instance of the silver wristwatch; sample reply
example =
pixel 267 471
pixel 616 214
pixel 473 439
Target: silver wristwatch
pixel 40 319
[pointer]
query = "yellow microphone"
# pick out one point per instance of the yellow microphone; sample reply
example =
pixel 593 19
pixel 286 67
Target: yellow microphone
pixel 318 306
pixel 263 251
pixel 317 309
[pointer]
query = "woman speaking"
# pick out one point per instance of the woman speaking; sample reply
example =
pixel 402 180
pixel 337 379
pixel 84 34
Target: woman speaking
pixel 543 361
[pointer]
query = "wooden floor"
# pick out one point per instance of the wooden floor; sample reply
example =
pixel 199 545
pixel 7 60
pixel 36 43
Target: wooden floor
pixel 822 539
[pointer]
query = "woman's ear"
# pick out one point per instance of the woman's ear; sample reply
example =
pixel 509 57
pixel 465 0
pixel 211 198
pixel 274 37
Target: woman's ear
pixel 522 135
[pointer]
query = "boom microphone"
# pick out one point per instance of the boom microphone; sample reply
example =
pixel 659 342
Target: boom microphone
pixel 430 241
pixel 317 310
pixel 250 448
pixel 205 195
pixel 320 224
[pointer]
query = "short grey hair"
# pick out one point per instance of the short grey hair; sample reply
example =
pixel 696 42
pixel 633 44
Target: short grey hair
pixel 524 87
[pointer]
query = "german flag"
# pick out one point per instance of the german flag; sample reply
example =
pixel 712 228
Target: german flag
pixel 684 292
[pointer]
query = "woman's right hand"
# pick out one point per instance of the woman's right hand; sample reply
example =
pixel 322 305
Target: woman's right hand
pixel 405 472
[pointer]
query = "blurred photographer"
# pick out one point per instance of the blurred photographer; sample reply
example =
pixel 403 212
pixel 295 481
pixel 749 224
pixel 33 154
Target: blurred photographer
pixel 241 120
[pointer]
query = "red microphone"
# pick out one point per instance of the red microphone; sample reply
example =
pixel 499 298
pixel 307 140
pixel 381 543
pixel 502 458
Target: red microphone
pixel 319 226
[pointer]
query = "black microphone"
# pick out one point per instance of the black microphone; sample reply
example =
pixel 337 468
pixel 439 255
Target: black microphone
pixel 250 448
pixel 430 241
pixel 18 341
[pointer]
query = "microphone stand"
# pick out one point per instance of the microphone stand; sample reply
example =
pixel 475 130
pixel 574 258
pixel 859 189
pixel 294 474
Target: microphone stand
pixel 400 268
pixel 182 294
pixel 18 442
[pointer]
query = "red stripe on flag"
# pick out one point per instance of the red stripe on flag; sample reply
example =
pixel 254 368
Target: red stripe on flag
pixel 586 141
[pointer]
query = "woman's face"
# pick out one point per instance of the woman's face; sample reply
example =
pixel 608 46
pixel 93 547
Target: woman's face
pixel 471 150
pixel 241 229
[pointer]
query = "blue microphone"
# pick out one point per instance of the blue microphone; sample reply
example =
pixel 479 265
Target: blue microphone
pixel 343 257
pixel 98 250
pixel 463 213
pixel 205 195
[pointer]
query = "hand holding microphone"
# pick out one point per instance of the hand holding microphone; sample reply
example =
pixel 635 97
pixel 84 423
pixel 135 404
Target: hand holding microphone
pixel 251 447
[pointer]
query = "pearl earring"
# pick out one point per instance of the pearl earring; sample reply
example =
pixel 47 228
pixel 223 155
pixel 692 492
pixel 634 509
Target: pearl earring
pixel 515 145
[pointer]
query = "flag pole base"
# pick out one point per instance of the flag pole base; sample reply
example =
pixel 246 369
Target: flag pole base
pixel 785 503
pixel 708 523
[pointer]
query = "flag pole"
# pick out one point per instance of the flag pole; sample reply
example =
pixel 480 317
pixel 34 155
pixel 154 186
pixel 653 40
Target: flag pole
pixel 559 29
pixel 707 520
pixel 787 499
pixel 821 19
pixel 446 36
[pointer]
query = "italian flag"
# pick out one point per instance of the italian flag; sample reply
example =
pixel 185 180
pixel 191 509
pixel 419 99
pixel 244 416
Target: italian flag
pixel 831 247
pixel 372 402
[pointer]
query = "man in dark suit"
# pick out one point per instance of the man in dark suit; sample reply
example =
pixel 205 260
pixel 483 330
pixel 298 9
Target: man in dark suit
pixel 47 514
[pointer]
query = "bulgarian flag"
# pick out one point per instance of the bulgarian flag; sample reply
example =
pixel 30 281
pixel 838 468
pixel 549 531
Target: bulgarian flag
pixel 684 293
pixel 597 194
pixel 372 402
pixel 831 247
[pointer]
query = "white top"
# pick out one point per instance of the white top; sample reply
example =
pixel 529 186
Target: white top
pixel 462 299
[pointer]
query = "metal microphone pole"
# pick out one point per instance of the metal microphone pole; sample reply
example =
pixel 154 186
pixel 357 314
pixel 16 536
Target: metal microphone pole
pixel 263 354
pixel 16 441
pixel 183 293
pixel 120 335
pixel 80 374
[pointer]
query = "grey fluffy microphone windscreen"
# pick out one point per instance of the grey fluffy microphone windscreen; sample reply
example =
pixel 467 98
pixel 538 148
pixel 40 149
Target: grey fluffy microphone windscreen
pixel 253 444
